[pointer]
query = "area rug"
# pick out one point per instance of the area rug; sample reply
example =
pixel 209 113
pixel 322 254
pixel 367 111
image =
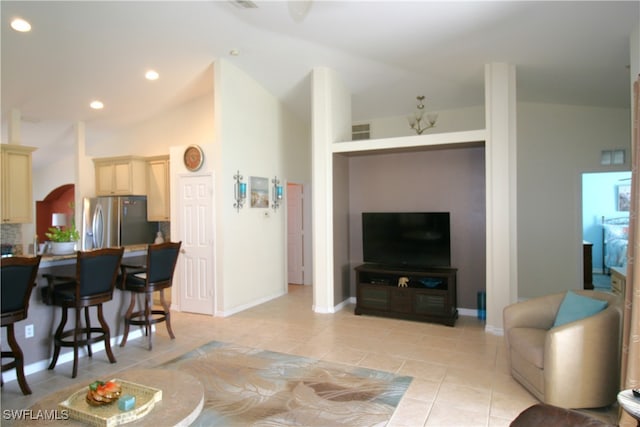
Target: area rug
pixel 246 386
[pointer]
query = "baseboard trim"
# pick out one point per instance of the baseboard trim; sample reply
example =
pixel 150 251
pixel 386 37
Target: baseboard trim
pixel 244 307
pixel 67 357
pixel 467 312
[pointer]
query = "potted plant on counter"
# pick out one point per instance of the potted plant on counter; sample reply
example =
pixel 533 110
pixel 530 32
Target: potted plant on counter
pixel 63 239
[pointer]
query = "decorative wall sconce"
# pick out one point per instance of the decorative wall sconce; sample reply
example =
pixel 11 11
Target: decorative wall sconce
pixel 277 193
pixel 416 121
pixel 239 191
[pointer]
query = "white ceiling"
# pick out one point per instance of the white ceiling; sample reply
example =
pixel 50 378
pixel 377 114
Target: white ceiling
pixel 387 52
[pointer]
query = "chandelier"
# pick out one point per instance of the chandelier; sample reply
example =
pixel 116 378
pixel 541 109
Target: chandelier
pixel 418 122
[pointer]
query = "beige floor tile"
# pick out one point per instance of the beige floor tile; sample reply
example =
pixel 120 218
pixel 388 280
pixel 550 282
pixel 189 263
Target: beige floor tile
pixel 410 413
pixel 346 355
pixel 476 378
pixel 309 350
pixel 499 422
pixel 443 414
pixel 382 362
pixel 510 405
pixel 464 397
pixel 424 390
pixel 507 385
pixel 460 374
pixel 423 370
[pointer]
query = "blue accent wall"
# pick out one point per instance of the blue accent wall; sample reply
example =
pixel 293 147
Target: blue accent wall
pixel 599 198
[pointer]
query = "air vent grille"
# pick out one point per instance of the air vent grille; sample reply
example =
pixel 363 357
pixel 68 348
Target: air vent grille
pixel 360 132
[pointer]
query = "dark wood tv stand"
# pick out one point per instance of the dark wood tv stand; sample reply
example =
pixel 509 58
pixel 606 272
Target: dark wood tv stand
pixel 430 294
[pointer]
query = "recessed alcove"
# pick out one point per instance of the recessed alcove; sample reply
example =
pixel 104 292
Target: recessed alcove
pixel 59 200
pixel 444 178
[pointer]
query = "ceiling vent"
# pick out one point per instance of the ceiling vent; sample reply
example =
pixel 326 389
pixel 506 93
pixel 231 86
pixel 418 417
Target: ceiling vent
pixel 244 4
pixel 360 132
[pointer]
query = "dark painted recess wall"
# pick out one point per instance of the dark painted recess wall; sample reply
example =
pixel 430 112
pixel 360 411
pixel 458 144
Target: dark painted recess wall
pixel 438 180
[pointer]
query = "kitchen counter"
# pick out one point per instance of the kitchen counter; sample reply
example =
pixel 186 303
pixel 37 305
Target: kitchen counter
pixel 55 260
pixel 37 349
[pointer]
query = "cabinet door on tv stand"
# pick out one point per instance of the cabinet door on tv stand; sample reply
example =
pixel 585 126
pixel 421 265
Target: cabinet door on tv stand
pixel 401 300
pixel 373 297
pixel 431 303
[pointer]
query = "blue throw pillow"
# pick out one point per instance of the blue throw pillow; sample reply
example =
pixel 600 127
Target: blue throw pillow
pixel 575 307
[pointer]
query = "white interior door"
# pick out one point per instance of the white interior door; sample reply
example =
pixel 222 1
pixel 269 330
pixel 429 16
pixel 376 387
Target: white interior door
pixel 295 234
pixel 196 232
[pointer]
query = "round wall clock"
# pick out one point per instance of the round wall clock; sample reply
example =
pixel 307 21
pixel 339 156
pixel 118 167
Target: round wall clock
pixel 193 157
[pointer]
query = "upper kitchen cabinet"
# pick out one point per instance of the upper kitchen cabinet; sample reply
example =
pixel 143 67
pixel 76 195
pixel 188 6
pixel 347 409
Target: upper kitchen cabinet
pixel 16 184
pixel 121 176
pixel 158 202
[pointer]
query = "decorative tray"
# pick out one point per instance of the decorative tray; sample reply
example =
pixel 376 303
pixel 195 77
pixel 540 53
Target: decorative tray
pixel 109 415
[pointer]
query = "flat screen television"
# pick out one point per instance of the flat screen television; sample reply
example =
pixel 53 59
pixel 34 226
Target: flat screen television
pixel 406 239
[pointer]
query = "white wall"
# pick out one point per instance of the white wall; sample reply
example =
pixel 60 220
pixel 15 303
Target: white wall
pixel 556 144
pixel 634 54
pixel 190 123
pixel 462 119
pixel 256 135
pixel 331 122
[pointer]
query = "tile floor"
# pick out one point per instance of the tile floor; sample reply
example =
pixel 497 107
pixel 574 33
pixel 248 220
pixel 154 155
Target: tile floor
pixel 460 374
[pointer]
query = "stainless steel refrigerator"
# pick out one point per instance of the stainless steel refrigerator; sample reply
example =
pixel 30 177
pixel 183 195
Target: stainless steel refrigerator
pixel 116 221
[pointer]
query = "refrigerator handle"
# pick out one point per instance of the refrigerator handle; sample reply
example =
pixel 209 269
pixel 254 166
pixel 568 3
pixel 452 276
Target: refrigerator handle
pixel 98 227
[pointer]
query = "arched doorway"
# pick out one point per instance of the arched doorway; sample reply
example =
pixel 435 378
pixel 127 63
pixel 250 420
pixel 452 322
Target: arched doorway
pixel 59 200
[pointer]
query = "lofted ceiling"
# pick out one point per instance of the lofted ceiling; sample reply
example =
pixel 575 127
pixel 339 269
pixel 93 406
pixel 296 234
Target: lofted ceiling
pixel 387 53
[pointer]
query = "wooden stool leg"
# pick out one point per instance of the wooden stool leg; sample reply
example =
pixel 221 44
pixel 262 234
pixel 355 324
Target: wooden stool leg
pixel 19 358
pixel 167 313
pixel 147 315
pixel 107 335
pixel 76 337
pixel 57 337
pixel 87 320
pixel 127 319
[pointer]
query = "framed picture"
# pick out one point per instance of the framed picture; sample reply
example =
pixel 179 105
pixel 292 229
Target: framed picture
pixel 624 197
pixel 259 192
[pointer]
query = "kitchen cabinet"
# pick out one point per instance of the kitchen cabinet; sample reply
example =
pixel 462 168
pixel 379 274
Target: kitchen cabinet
pixel 158 194
pixel 16 184
pixel 121 176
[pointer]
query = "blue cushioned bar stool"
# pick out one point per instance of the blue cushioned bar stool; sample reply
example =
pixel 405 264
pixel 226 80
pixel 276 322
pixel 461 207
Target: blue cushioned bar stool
pixel 18 278
pixel 96 275
pixel 156 276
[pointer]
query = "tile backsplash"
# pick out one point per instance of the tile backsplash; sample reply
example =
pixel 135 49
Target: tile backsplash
pixel 165 227
pixel 11 234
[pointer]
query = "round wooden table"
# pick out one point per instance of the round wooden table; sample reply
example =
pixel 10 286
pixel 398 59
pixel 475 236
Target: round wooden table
pixel 182 400
pixel 630 404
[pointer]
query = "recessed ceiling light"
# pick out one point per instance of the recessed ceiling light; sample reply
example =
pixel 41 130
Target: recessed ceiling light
pixel 234 52
pixel 96 105
pixel 20 25
pixel 151 75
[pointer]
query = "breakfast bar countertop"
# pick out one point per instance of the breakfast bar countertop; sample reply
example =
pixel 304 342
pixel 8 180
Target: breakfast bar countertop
pixel 49 260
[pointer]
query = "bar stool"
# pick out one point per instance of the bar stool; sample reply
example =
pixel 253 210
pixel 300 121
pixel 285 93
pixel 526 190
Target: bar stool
pixel 96 275
pixel 156 276
pixel 18 278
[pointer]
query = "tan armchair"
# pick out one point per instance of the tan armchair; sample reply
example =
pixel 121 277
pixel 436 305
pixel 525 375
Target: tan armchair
pixel 575 365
